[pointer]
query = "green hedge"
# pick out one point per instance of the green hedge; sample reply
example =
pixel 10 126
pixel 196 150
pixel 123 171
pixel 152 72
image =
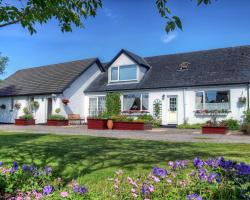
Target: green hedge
pixel 27 116
pixel 56 117
pixel 189 126
pixel 113 103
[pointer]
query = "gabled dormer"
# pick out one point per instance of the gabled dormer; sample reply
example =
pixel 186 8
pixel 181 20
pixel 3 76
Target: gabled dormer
pixel 126 67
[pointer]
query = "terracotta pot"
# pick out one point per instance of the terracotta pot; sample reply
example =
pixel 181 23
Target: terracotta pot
pixel 110 124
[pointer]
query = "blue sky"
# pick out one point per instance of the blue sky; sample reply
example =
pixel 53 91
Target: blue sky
pixel 133 25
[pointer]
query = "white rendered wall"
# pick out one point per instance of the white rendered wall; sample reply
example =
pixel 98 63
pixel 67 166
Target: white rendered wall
pixel 75 93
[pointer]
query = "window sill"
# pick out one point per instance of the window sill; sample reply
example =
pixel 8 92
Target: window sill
pixel 207 113
pixel 135 112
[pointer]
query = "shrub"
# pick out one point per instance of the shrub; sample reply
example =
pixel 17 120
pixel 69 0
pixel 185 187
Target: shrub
pixel 26 111
pixel 189 126
pixel 56 117
pixel 30 182
pixel 210 179
pixel 113 103
pixel 149 119
pixel 245 128
pixel 122 118
pixel 247 116
pixel 232 124
pixel 27 116
pixel 34 105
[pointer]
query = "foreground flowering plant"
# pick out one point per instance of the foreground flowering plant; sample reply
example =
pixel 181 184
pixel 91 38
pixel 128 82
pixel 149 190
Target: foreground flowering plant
pixel 198 180
pixel 28 182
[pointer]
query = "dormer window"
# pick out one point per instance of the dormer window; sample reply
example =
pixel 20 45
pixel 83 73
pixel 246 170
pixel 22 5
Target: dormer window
pixel 123 73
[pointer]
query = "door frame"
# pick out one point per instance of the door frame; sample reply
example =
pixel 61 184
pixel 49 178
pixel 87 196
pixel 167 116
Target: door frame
pixel 168 108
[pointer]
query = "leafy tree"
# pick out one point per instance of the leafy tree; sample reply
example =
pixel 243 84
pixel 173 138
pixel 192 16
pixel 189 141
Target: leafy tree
pixel 69 13
pixel 3 62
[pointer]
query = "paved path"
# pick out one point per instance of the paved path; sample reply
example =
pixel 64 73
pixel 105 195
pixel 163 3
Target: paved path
pixel 162 134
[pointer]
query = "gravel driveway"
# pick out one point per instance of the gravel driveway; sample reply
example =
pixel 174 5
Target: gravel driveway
pixel 162 134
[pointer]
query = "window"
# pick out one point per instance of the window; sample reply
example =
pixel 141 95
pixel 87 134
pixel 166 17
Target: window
pixel 114 73
pixel 213 100
pixel 135 102
pixel 124 73
pixel 128 73
pixel 96 105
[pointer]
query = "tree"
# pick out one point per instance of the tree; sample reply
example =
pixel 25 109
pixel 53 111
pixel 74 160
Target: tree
pixel 3 62
pixel 69 13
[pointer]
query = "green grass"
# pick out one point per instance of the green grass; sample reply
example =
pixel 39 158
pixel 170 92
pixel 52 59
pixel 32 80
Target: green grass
pixel 92 160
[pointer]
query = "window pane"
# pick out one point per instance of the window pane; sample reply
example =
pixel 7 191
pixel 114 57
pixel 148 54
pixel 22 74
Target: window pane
pixel 101 104
pixel 132 102
pixel 114 73
pixel 199 100
pixel 92 106
pixel 144 101
pixel 128 72
pixel 217 100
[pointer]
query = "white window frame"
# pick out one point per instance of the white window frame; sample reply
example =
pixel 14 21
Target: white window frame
pixel 118 77
pixel 136 93
pixel 97 103
pixel 204 97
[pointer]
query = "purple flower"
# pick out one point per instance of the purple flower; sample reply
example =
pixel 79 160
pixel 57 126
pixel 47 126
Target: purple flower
pixel 146 190
pixel 14 167
pixel 213 177
pixel 26 168
pixel 33 167
pixel 80 189
pixel 48 170
pixel 159 172
pixel 194 197
pixel 243 169
pixel 48 189
pixel 202 174
pixel 198 162
pixel 1 164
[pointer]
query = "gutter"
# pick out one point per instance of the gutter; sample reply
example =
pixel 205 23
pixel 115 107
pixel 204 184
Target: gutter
pixel 248 96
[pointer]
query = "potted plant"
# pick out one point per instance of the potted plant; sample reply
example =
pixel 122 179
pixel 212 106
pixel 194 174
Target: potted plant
pixel 26 119
pixel 57 120
pixel 65 101
pixel 213 127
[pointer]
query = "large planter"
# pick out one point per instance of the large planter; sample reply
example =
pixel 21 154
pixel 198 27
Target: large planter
pixel 24 122
pixel 57 122
pixel 97 124
pixel 214 130
pixel 132 126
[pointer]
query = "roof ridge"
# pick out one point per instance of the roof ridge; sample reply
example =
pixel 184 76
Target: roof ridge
pixel 198 51
pixel 55 64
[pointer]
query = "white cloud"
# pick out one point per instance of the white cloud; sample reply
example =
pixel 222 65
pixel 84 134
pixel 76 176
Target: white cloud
pixel 168 38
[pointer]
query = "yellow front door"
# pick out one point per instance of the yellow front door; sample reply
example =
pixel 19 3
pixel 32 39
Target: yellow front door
pixel 172 110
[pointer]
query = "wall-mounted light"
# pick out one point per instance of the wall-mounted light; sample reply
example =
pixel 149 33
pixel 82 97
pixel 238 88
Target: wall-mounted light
pixel 163 97
pixel 54 96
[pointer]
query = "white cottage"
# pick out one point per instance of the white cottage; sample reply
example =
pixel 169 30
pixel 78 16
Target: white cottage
pixel 187 86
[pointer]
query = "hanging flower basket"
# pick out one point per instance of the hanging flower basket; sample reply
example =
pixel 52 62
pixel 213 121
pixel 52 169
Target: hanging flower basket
pixel 17 106
pixel 65 101
pixel 3 106
pixel 242 100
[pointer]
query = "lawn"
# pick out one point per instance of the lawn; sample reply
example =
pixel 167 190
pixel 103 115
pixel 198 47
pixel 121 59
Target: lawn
pixel 92 160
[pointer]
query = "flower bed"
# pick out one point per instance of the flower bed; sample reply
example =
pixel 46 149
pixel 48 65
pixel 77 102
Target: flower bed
pixel 209 179
pixel 57 122
pixel 24 122
pixel 214 130
pixel 27 182
pixel 132 126
pixel 94 123
pixel 218 179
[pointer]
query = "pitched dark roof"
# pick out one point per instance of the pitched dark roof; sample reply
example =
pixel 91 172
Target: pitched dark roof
pixel 137 59
pixel 210 67
pixel 46 79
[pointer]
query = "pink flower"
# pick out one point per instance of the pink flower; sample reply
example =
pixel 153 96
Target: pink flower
pixel 130 181
pixel 151 188
pixel 156 179
pixel 64 194
pixel 134 195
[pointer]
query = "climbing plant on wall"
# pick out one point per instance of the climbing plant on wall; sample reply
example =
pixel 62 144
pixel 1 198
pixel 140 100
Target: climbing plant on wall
pixel 157 109
pixel 113 103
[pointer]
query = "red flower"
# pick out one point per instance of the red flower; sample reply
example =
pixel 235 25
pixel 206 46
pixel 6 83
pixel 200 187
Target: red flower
pixel 65 101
